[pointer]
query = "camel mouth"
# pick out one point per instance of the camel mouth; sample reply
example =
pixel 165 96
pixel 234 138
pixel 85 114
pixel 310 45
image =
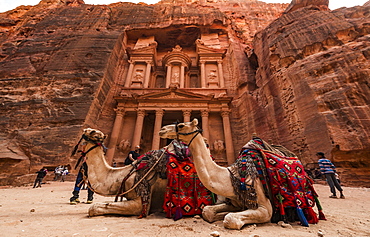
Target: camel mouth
pixel 161 134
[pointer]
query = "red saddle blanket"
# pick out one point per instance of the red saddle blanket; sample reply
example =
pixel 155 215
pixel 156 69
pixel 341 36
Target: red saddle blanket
pixel 289 183
pixel 285 177
pixel 184 193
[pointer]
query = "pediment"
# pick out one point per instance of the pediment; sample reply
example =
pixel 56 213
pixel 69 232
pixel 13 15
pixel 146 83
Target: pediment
pixel 171 94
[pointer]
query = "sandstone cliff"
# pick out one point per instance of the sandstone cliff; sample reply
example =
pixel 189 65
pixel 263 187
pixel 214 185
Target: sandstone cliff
pixel 312 84
pixel 300 78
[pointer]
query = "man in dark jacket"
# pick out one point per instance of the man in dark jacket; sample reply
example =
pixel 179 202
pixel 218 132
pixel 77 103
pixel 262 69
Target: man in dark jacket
pixel 40 176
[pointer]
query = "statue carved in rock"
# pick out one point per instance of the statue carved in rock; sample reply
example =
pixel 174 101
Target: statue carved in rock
pixel 124 146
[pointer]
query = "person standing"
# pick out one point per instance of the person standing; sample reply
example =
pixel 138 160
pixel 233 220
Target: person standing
pixel 328 169
pixel 133 155
pixel 80 180
pixel 57 172
pixel 40 176
pixel 64 174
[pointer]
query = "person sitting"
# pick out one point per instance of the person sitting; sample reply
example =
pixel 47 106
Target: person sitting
pixel 132 155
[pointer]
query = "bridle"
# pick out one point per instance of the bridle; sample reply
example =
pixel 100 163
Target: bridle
pixel 198 131
pixel 83 154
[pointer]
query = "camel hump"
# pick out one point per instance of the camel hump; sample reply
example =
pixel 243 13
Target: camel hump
pixel 297 4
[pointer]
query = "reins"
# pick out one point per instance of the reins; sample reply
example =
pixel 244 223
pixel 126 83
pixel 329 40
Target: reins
pixel 198 131
pixel 144 176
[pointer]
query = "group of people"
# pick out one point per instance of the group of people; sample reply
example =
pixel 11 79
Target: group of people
pixel 60 172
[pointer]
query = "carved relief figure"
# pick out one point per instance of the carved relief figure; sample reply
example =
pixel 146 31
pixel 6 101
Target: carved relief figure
pixel 124 146
pixel 218 146
pixel 138 75
pixel 212 76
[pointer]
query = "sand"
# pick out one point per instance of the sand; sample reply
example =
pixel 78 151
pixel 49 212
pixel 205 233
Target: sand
pixel 45 211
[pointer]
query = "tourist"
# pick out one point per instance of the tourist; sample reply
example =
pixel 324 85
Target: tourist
pixel 58 172
pixel 64 174
pixel 132 155
pixel 80 180
pixel 327 168
pixel 40 176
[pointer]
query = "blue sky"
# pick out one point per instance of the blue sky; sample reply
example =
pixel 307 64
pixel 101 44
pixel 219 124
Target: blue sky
pixel 6 5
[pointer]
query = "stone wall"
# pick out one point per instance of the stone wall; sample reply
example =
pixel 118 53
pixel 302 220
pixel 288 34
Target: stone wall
pixel 300 80
pixel 313 84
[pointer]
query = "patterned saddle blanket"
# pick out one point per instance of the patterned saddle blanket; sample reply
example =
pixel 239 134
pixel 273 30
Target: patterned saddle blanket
pixel 284 179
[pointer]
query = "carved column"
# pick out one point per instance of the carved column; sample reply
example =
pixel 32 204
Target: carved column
pixel 186 114
pixel 138 128
pixel 120 113
pixel 182 77
pixel 228 137
pixel 157 127
pixel 205 123
pixel 147 74
pixel 169 76
pixel 203 73
pixel 129 73
pixel 221 74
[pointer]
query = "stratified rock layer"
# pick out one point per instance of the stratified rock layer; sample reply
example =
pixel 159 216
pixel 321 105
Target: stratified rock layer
pixel 313 81
pixel 301 81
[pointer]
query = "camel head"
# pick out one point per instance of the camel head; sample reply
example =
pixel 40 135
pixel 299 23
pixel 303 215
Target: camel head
pixel 184 131
pixel 93 135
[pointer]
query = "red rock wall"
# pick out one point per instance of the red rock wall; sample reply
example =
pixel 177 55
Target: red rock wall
pixel 304 84
pixel 313 85
pixel 58 61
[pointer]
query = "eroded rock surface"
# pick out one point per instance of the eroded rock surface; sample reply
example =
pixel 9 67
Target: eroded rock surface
pixel 299 78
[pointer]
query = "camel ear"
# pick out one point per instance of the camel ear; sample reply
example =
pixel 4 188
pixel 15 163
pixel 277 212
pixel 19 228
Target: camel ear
pixel 194 122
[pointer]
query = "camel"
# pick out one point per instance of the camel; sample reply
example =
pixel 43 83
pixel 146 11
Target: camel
pixel 217 179
pixel 106 181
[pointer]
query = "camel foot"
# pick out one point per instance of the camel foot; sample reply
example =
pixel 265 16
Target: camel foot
pixel 210 215
pixel 230 222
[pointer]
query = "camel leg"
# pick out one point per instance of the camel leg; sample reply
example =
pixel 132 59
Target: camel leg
pixel 236 220
pixel 129 208
pixel 217 212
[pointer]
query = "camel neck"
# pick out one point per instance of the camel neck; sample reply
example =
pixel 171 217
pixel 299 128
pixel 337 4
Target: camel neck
pixel 101 175
pixel 214 177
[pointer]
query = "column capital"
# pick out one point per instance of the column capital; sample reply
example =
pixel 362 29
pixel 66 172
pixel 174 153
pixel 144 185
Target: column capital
pixel 140 112
pixel 159 112
pixel 186 112
pixel 149 62
pixel 202 61
pixel 131 61
pixel 225 113
pixel 219 61
pixel 204 113
pixel 120 111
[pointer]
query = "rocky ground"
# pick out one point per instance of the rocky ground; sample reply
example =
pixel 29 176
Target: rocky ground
pixel 27 211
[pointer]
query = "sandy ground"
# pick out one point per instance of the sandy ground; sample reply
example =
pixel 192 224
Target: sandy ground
pixel 45 211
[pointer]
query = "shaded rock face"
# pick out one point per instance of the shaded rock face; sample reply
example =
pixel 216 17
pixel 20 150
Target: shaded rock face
pixel 313 80
pixel 299 79
pixel 61 64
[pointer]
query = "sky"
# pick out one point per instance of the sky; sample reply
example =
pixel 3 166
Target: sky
pixel 6 5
